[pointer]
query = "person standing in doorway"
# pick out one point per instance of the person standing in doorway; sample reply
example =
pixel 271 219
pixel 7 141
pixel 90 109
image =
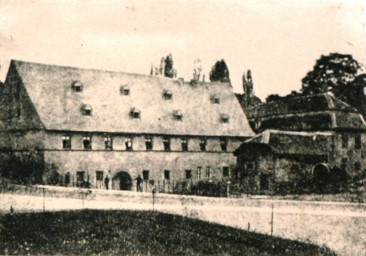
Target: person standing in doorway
pixel 106 182
pixel 138 183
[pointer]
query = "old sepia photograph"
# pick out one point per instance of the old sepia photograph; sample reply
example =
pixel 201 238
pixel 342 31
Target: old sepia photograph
pixel 183 127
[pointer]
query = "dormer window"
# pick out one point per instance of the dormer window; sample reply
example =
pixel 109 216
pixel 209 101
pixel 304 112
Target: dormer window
pixel 125 90
pixel 224 118
pixel 86 110
pixel 177 115
pixel 215 99
pixel 77 86
pixel 168 95
pixel 135 113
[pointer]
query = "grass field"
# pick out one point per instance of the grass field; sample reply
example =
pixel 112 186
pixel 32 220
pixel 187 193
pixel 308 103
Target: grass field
pixel 137 233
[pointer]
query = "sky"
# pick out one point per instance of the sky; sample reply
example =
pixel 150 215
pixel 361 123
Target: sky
pixel 279 41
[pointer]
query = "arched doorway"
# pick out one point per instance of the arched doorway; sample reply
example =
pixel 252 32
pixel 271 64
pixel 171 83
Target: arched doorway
pixel 321 176
pixel 122 181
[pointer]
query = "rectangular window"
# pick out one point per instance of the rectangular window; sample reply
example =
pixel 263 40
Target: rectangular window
pixel 208 172
pixel 358 141
pixel 344 140
pixel 108 143
pixel 188 174
pixel 80 176
pixel 67 178
pixel 87 143
pixel 357 166
pixel 199 172
pixel 145 174
pixel 166 142
pixel 203 143
pixel 216 100
pixel 99 175
pixel 184 144
pixel 225 171
pixel 344 164
pixel 128 143
pixel 223 143
pixel 167 174
pixel 66 142
pixel 148 143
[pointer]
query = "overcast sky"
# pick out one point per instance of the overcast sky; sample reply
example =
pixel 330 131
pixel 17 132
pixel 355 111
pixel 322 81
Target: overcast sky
pixel 278 40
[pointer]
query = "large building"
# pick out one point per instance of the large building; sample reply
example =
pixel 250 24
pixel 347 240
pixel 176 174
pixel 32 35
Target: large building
pixel 89 124
pixel 305 135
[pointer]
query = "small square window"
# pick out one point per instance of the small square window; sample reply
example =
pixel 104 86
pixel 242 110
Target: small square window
pixel 177 115
pixel 168 95
pixel 203 143
pixel 99 175
pixel 77 86
pixel 225 171
pixel 66 142
pixel 148 143
pixel 224 118
pixel 184 142
pixel 135 113
pixel 128 143
pixel 87 143
pixel 199 172
pixel 125 90
pixel 208 172
pixel 166 174
pixel 86 110
pixel 188 174
pixel 216 100
pixel 108 143
pixel 166 142
pixel 145 174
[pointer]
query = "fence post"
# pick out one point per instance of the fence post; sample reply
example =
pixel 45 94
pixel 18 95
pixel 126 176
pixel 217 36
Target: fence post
pixel 44 203
pixel 272 221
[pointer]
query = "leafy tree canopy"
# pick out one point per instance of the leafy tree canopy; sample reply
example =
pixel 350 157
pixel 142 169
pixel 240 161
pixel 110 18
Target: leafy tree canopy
pixel 331 72
pixel 219 72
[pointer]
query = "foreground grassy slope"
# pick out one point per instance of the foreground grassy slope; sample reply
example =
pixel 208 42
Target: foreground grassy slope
pixel 131 232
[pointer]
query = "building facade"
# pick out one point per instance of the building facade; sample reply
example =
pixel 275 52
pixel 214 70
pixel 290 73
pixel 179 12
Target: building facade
pixel 313 136
pixel 87 125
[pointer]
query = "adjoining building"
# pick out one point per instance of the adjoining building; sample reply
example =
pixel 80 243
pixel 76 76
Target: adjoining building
pixel 87 124
pixel 308 135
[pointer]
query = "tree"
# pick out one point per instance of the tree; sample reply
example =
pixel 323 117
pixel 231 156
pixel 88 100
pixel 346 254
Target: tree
pixel 333 72
pixel 168 69
pixel 273 97
pixel 219 72
pixel 197 69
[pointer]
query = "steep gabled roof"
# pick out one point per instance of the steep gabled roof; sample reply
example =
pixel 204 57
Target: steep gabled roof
pixel 59 105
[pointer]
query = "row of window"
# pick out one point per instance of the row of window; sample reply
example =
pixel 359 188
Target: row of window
pixel 345 139
pixel 80 175
pixel 108 143
pixel 125 90
pixel 135 113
